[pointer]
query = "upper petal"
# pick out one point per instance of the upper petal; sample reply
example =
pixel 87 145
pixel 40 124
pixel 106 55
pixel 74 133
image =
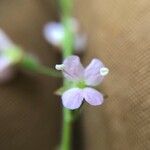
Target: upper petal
pixel 93 96
pixel 72 99
pixel 73 69
pixel 92 74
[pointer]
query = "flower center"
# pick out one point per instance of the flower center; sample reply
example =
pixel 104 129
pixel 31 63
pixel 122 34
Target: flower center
pixel 80 84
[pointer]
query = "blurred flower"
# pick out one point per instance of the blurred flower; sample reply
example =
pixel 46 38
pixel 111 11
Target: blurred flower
pixel 9 56
pixel 5 41
pixel 54 34
pixel 83 79
pixel 6 71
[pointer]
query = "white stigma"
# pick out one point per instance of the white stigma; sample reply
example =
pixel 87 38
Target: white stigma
pixel 104 71
pixel 60 67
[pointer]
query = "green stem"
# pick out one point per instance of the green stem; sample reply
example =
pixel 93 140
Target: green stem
pixel 48 71
pixel 67 130
pixel 66 13
pixel 30 63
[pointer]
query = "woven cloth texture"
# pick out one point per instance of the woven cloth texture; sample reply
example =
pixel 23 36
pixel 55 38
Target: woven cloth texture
pixel 29 111
pixel 119 34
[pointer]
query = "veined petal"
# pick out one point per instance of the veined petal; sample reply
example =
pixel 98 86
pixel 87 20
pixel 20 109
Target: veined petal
pixel 72 99
pixel 92 74
pixel 92 96
pixel 73 69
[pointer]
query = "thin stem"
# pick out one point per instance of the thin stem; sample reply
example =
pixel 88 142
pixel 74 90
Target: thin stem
pixel 30 63
pixel 66 13
pixel 48 71
pixel 67 130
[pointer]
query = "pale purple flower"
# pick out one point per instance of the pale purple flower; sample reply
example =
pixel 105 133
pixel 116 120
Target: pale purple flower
pixel 83 80
pixel 6 69
pixel 54 34
pixel 5 41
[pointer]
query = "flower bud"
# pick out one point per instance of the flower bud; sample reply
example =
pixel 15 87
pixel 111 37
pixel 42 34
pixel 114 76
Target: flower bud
pixel 54 34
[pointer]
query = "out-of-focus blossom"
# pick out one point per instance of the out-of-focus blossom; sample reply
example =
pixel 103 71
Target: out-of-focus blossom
pixel 54 34
pixel 5 41
pixel 9 56
pixel 83 81
pixel 6 71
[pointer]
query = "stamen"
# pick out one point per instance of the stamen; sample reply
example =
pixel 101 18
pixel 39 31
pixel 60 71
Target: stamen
pixel 60 67
pixel 104 71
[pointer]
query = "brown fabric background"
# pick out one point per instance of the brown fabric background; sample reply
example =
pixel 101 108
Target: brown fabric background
pixel 29 112
pixel 119 34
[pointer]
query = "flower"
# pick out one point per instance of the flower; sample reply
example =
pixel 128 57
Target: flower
pixel 83 79
pixel 54 34
pixel 10 55
pixel 6 71
pixel 5 41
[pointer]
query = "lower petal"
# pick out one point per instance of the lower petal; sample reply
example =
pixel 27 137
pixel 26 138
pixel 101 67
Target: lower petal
pixel 72 99
pixel 93 96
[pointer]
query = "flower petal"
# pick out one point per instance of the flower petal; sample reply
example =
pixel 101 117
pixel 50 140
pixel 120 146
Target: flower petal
pixel 6 70
pixel 54 33
pixel 4 63
pixel 93 96
pixel 72 99
pixel 5 41
pixel 92 74
pixel 73 69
